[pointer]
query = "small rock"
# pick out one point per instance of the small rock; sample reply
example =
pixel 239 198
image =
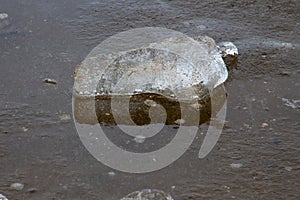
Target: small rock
pixel 65 117
pixel 32 190
pixel 17 186
pixel 111 173
pixel 276 141
pixel 226 187
pixel 3 16
pixel 186 24
pixel 4 21
pixel 50 81
pixel 284 73
pixel 247 126
pixel 180 121
pixel 2 197
pixel 201 27
pixel 288 169
pixel 24 129
pixel 236 165
pixel 264 125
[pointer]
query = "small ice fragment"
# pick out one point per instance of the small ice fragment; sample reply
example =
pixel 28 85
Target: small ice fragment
pixel 236 165
pixel 17 186
pixel 139 139
pixel 3 15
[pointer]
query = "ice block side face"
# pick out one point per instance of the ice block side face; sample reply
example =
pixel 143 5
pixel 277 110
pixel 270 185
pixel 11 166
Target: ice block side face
pixel 170 69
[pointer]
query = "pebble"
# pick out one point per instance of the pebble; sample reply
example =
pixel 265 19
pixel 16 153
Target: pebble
pixel 65 117
pixel 4 21
pixel 111 173
pixel 288 169
pixel 284 73
pixel 32 190
pixel 2 197
pixel 3 16
pixel 24 129
pixel 201 27
pixel 17 186
pixel 186 24
pixel 236 165
pixel 50 81
pixel 226 187
pixel 180 121
pixel 263 125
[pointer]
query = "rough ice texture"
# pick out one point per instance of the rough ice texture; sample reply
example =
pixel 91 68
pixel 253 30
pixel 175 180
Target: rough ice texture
pixel 151 64
pixel 227 48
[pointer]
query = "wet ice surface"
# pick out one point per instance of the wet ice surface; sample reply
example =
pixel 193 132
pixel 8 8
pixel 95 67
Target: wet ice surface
pixel 47 39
